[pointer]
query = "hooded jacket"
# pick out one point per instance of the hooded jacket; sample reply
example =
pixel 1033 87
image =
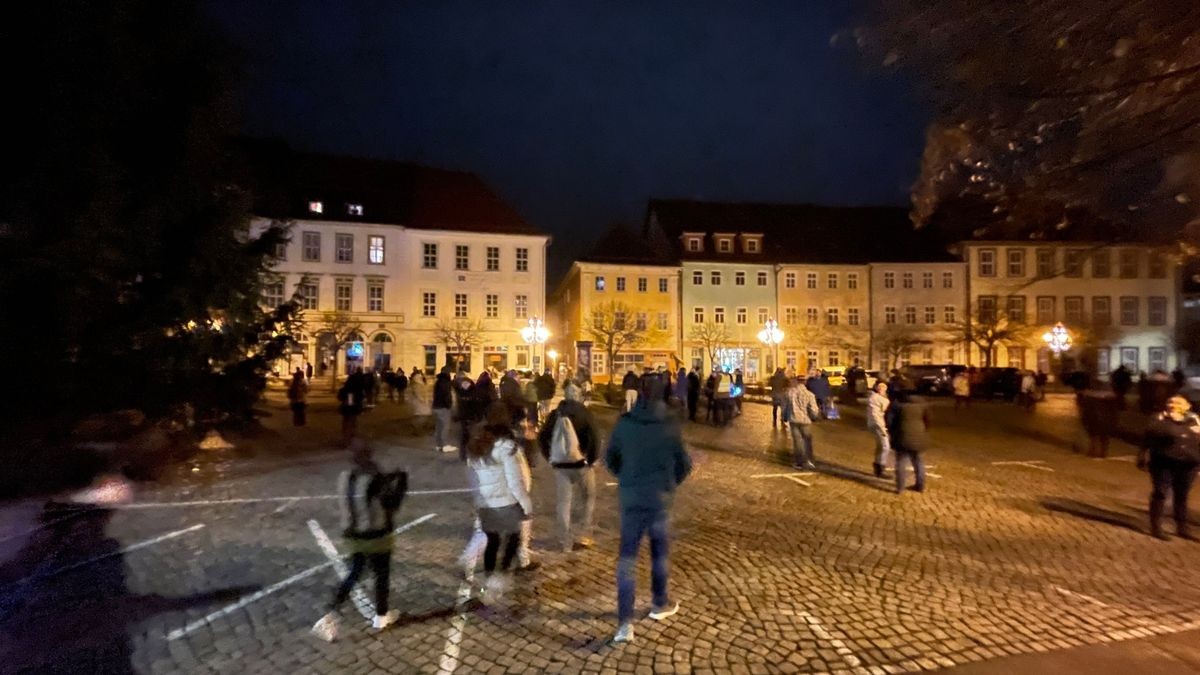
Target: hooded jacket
pixel 647 456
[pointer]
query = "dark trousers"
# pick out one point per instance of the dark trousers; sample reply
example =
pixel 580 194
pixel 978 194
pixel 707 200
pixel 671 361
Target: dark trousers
pixel 1176 477
pixel 693 401
pixel 918 465
pixel 511 542
pixel 299 413
pixel 381 568
pixel 776 408
pixel 636 523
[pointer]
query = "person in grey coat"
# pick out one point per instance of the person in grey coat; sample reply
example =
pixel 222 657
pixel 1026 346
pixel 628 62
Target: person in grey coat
pixel 907 426
pixel 800 411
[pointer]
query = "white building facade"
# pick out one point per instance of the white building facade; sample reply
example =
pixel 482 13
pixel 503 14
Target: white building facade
pixel 918 314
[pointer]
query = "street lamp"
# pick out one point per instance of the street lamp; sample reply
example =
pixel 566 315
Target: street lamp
pixel 771 335
pixel 535 333
pixel 1057 339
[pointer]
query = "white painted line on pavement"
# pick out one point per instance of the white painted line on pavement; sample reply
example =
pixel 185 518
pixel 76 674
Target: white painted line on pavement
pixel 357 596
pixel 783 475
pixel 1121 458
pixel 257 500
pixel 284 506
pixel 1028 463
pixel 796 479
pixel 933 475
pixel 448 663
pixel 610 484
pixel 1081 596
pixel 127 549
pixel 840 647
pixel 258 595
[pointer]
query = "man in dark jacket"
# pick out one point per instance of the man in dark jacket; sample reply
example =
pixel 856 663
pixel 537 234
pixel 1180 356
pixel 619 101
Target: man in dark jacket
pixel 443 402
pixel 907 424
pixel 545 386
pixel 571 476
pixel 1171 452
pixel 351 398
pixel 512 396
pixel 647 457
pixel 779 388
pixel 693 394
pixel 630 385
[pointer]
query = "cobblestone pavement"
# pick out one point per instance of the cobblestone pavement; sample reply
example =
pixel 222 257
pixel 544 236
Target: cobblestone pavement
pixel 1017 547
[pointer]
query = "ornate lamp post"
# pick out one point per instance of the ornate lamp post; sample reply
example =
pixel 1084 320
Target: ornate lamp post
pixel 534 333
pixel 771 335
pixel 1057 339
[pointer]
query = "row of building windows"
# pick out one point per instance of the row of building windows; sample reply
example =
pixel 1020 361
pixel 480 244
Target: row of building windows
pixel 308 292
pixel 724 243
pixel 462 305
pixel 1129 263
pixel 908 280
pixel 462 258
pixel 739 278
pixel 1129 309
pixel 343 248
pixel 911 315
pixel 351 209
pixel 641 320
pixel 643 284
pixel 811 280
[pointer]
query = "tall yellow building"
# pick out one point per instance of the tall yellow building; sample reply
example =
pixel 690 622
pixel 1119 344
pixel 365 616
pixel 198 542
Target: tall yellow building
pixel 618 309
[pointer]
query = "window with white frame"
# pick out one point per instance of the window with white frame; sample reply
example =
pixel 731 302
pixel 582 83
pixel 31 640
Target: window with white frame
pixel 1015 309
pixel 724 245
pixel 1073 309
pixel 375 249
pixel 521 304
pixel 1129 310
pixel 1129 358
pixel 718 315
pixel 343 247
pixel 1046 311
pixel 429 303
pixel 1045 262
pixel 491 305
pixel 1157 358
pixel 1073 262
pixel 522 260
pixel 375 296
pixel 789 358
pixel 889 279
pixel 789 280
pixel 814 358
pixel 273 293
pixel 791 315
pixel 947 279
pixel 462 257
pixel 987 262
pixel 343 295
pixel 810 280
pixel 930 314
pixel 852 316
pixel 429 256
pixel 1016 262
pixel 739 278
pixel 642 321
pixel 697 315
pixel 599 282
pixel 643 284
pixel 281 250
pixel 740 316
pixel 1103 360
pixel 460 305
pixel 762 278
pixel 763 315
pixel 910 314
pixel 852 280
pixel 493 258
pixel 1157 306
pixel 619 320
pixel 620 284
pixel 751 246
pixel 663 321
pixel 1101 310
pixel 1130 259
pixel 986 308
pixel 831 316
pixel 831 280
pixel 308 292
pixel 812 316
pixel 889 314
pixel 311 250
pixel 906 280
pixel 697 278
pixel 693 244
pixel 949 314
pixel 714 278
pixel 835 358
pixel 663 285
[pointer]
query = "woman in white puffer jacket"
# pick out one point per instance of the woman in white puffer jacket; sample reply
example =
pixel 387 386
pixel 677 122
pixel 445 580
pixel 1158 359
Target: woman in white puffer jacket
pixel 502 481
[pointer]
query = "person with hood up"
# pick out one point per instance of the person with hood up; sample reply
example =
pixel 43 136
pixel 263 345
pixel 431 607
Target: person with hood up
pixel 877 407
pixel 568 442
pixel 648 459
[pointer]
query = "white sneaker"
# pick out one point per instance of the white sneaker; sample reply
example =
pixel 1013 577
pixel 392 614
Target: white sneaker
pixel 384 620
pixel 327 627
pixel 624 634
pixel 660 613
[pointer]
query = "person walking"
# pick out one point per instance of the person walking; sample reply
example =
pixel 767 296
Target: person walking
pixel 907 427
pixel 710 395
pixel 680 392
pixel 469 413
pixel 1171 452
pixel 630 384
pixel 568 442
pixel 443 411
pixel 501 478
pixel 546 388
pixel 801 410
pixel 369 499
pixel 960 384
pixel 820 389
pixel 297 394
pixel 350 397
pixel 308 371
pixel 1122 382
pixel 647 457
pixel 779 390
pixel 877 406
pixel 693 394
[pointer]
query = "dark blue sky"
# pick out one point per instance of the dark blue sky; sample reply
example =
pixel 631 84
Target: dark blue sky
pixel 578 112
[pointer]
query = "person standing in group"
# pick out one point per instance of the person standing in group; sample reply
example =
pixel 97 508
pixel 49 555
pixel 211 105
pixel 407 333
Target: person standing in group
pixel 469 412
pixel 568 442
pixel 779 392
pixel 1171 453
pixel 877 406
pixel 531 400
pixel 680 391
pixel 630 384
pixel 960 385
pixel 297 394
pixel 369 499
pixel 545 392
pixel 693 394
pixel 647 457
pixel 308 371
pixel 1122 381
pixel 1028 394
pixel 710 395
pixel 820 389
pixel 801 411
pixel 350 397
pixel 443 411
pixel 502 482
pixel 908 425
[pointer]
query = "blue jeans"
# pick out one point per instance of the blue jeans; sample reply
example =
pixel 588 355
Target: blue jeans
pixel 634 524
pixel 918 465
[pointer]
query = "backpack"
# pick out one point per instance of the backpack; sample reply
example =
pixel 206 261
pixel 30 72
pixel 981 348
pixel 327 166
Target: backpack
pixel 564 443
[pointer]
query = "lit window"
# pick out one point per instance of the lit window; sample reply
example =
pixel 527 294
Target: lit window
pixel 460 305
pixel 492 305
pixel 316 207
pixel 344 248
pixel 375 249
pixel 430 256
pixel 600 283
pixel 429 303
pixel 354 209
pixel 522 260
pixel 493 258
pixel 343 296
pixel 522 306
pixel 375 296
pixel 462 257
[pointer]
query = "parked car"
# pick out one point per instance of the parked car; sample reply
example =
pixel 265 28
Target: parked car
pixel 837 375
pixel 932 379
pixel 866 382
pixel 998 382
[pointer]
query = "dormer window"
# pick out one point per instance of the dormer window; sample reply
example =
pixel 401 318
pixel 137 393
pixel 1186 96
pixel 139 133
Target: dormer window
pixel 354 209
pixel 724 245
pixel 751 243
pixel 751 246
pixel 694 245
pixel 316 207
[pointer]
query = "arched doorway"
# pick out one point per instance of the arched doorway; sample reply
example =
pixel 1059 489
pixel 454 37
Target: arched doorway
pixel 355 350
pixel 380 352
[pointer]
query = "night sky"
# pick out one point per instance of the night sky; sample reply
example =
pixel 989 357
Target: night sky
pixel 578 112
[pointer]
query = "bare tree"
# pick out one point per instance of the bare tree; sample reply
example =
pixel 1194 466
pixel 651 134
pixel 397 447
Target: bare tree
pixel 895 341
pixel 341 328
pixel 989 329
pixel 459 336
pixel 614 327
pixel 713 337
pixel 824 336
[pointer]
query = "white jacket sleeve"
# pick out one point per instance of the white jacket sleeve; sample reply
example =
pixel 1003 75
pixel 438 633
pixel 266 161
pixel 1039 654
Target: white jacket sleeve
pixel 519 479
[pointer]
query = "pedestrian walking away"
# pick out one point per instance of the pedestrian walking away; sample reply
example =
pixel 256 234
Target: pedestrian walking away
pixel 369 499
pixel 630 385
pixel 877 407
pixel 779 392
pixel 546 388
pixel 350 397
pixel 501 479
pixel 568 442
pixel 297 394
pixel 647 457
pixel 443 404
pixel 907 427
pixel 693 394
pixel 801 410
pixel 1171 453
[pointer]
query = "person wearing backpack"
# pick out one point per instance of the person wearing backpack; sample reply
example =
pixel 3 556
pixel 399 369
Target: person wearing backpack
pixel 568 442
pixel 369 499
